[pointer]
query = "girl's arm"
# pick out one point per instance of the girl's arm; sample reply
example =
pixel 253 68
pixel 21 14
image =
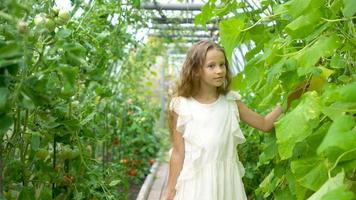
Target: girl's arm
pixel 177 158
pixel 257 121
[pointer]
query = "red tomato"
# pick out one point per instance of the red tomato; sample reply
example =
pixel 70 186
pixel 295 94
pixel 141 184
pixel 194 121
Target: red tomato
pixel 124 161
pixel 115 141
pixel 152 161
pixel 132 172
pixel 67 180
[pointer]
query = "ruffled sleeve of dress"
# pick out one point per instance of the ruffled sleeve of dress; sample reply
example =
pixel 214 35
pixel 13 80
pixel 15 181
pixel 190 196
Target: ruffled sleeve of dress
pixel 232 97
pixel 179 106
pixel 193 148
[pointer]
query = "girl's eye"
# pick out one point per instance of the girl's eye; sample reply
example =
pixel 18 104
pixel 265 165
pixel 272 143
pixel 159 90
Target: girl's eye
pixel 210 66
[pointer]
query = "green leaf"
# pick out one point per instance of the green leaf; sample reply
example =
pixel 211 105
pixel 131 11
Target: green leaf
pixel 205 15
pixel 349 8
pixel 339 193
pixel 310 172
pixel 329 185
pixel 269 151
pixel 45 194
pixel 341 135
pixel 12 62
pixel 230 30
pixel 238 82
pixel 303 25
pixel 348 93
pixel 5 124
pixel 308 147
pixel 298 124
pixel 114 182
pixel 284 194
pixel 87 118
pixel 11 49
pixel 4 94
pixel 344 93
pixel 269 184
pixel 136 3
pixel 338 62
pixel 69 75
pixel 27 193
pixel 35 141
pixel 64 33
pixel 323 47
pixel 296 7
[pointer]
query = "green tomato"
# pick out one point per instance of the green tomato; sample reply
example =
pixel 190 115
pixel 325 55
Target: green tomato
pixel 40 20
pixel 55 10
pixel 65 154
pixel 41 154
pixel 67 91
pixel 22 26
pixel 74 154
pixel 63 17
pixel 50 25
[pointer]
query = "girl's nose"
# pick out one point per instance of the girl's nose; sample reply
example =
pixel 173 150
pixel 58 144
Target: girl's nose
pixel 219 70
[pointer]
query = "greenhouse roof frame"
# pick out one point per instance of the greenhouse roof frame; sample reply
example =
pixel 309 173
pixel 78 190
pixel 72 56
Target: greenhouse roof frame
pixel 171 6
pixel 161 20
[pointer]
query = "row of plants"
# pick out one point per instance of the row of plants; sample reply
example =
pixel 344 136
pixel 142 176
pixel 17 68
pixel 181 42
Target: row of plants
pixel 305 44
pixel 75 120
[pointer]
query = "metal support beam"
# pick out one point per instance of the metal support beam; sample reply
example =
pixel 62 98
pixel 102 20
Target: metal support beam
pixel 171 6
pixel 177 20
pixel 175 28
pixel 180 35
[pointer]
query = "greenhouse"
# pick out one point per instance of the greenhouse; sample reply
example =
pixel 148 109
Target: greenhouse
pixel 177 99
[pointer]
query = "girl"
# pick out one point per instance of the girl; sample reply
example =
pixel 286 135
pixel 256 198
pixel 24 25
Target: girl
pixel 204 122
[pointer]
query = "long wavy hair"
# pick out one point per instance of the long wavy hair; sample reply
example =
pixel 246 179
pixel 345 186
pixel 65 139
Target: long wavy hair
pixel 189 83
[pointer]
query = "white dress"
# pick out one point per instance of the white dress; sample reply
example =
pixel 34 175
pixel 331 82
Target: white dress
pixel 211 132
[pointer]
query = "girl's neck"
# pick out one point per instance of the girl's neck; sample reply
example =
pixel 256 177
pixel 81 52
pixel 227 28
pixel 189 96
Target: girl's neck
pixel 206 94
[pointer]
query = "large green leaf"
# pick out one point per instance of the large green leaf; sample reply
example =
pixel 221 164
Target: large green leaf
pixel 297 7
pixel 323 47
pixel 308 147
pixel 339 193
pixel 230 30
pixel 349 8
pixel 205 15
pixel 298 124
pixel 340 137
pixel 310 172
pixel 304 24
pixel 331 187
pixel 335 93
pixel 348 92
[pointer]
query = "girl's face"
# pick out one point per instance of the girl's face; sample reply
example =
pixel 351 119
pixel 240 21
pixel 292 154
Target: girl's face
pixel 214 70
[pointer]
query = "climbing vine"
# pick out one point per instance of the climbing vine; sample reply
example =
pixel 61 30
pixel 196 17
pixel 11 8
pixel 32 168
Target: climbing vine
pixel 307 44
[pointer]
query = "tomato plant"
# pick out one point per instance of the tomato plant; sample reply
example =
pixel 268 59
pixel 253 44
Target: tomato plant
pixel 65 78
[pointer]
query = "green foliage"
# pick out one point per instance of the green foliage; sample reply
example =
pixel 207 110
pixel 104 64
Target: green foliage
pixel 73 103
pixel 290 43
